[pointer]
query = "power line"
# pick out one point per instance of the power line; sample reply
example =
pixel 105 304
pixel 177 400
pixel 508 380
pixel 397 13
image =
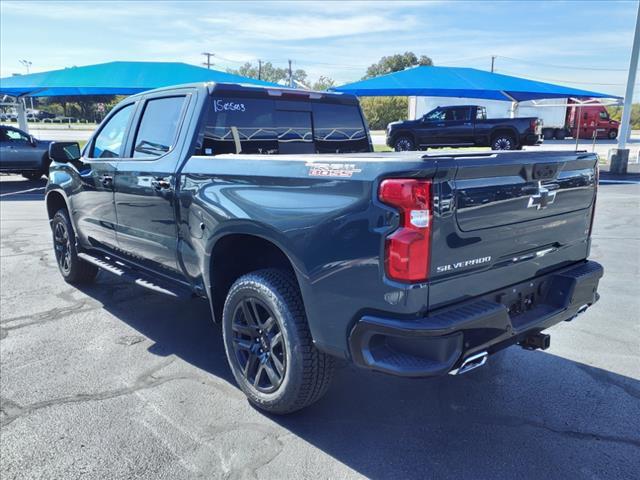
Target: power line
pixel 568 67
pixel 560 80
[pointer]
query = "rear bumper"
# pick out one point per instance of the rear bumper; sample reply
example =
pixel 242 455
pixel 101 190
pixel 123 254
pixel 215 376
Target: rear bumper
pixel 439 343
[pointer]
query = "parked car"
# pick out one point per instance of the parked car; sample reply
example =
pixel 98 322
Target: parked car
pixel 558 115
pixel 23 154
pixel 463 126
pixel 408 264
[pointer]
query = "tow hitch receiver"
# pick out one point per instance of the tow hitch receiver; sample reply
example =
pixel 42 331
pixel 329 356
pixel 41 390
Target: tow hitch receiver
pixel 536 341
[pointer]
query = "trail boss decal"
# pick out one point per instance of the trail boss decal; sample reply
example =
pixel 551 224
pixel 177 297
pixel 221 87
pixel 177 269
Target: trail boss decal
pixel 466 263
pixel 332 169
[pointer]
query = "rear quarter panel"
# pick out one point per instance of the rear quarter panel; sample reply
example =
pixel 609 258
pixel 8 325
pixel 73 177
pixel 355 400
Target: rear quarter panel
pixel 328 227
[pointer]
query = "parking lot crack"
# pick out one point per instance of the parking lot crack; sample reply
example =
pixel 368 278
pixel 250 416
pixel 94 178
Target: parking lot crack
pixel 148 380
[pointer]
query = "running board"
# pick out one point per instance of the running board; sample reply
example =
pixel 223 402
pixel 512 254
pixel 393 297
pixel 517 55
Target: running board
pixel 132 275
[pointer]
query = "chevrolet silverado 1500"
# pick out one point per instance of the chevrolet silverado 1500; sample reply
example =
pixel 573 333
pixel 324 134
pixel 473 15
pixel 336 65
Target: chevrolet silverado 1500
pixel 464 126
pixel 270 204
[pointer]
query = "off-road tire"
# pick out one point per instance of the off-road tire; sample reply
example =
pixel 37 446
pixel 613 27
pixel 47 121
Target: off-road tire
pixel 307 371
pixel 73 269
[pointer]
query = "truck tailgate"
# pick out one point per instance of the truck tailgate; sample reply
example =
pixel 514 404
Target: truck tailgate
pixel 503 218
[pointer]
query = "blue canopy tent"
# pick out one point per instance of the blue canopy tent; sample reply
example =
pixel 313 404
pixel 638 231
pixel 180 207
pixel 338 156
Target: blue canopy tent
pixel 113 78
pixel 462 82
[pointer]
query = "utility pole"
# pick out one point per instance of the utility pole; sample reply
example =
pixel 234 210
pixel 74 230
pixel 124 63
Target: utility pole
pixel 259 69
pixel 493 61
pixel 290 76
pixel 27 64
pixel 208 63
pixel 620 156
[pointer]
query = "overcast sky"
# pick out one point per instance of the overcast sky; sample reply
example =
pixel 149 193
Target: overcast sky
pixel 584 44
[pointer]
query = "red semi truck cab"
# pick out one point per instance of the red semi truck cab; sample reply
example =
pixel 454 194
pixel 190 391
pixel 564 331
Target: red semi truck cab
pixel 592 118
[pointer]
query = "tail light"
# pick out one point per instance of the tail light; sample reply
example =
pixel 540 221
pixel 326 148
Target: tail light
pixel 407 248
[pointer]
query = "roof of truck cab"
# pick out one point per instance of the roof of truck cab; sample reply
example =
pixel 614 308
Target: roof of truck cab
pixel 267 91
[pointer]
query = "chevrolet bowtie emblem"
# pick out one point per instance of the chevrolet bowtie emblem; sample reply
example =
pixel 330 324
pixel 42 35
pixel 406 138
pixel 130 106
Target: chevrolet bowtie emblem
pixel 542 199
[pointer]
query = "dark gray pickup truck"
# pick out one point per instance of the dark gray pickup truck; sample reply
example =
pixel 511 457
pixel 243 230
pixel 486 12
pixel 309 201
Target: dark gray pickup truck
pixel 404 263
pixel 464 126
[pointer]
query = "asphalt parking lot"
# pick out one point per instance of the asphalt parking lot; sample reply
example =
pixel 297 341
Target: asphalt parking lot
pixel 113 381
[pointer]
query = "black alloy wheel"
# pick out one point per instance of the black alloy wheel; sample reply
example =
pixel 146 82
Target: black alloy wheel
pixel 258 345
pixel 503 142
pixel 404 144
pixel 62 247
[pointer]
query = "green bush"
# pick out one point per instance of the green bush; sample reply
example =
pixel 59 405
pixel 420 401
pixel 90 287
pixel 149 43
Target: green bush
pixel 380 111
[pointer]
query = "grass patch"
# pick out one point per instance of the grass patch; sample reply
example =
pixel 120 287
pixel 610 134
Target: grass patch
pixel 382 148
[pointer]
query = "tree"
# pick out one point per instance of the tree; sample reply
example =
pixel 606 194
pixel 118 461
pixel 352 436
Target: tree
pixel 269 73
pixel 396 63
pixel 615 112
pixel 323 83
pixel 380 111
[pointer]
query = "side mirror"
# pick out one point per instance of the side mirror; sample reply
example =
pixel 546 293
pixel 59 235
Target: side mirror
pixel 64 152
pixel 32 141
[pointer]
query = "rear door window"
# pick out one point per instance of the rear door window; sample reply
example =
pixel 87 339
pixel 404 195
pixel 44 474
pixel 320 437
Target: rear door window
pixel 158 128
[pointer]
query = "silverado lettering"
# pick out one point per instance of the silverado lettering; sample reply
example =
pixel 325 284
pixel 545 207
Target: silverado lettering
pixel 466 263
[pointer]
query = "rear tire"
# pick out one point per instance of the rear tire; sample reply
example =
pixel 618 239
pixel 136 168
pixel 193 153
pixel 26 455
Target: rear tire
pixel 269 345
pixel 560 134
pixel 547 133
pixel 503 141
pixel 73 269
pixel 404 144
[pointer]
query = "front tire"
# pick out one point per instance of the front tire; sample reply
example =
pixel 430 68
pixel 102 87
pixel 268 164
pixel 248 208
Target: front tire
pixel 404 144
pixel 73 269
pixel 503 141
pixel 269 346
pixel 613 134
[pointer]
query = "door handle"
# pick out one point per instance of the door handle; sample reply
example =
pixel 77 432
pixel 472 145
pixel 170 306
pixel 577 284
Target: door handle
pixel 440 125
pixel 161 184
pixel 467 124
pixel 106 180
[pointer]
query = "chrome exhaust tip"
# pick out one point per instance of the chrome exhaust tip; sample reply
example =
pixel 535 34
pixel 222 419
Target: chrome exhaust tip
pixel 470 363
pixel 580 311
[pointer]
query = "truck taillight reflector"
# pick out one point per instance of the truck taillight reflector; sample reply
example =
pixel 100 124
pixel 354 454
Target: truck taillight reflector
pixel 407 248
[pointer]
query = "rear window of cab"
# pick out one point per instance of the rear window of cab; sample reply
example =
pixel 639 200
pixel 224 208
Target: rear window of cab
pixel 271 126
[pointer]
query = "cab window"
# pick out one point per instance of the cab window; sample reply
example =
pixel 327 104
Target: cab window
pixel 16 136
pixel 435 115
pixel 158 128
pixel 108 143
pixel 604 116
pixel 457 114
pixel 240 125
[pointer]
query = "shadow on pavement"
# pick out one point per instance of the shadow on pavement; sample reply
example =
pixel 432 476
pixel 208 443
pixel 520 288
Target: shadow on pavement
pixel 526 414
